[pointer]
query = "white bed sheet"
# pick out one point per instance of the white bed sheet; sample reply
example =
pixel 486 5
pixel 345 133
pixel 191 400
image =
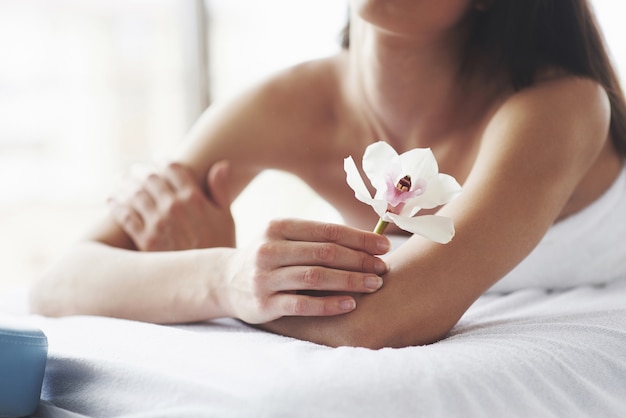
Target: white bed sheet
pixel 527 353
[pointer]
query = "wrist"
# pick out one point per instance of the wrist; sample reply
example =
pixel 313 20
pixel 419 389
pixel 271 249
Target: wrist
pixel 213 269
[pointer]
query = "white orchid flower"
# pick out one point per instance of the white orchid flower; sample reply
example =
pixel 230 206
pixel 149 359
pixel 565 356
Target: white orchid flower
pixel 405 184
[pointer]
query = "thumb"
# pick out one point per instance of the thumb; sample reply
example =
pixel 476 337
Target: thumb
pixel 218 184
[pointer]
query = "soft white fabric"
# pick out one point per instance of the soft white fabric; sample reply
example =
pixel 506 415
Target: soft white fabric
pixel 532 353
pixel 588 247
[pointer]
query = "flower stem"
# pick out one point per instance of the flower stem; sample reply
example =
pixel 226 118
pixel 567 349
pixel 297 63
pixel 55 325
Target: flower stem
pixel 380 226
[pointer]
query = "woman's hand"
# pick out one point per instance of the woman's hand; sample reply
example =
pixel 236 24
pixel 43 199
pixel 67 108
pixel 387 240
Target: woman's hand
pixel 168 210
pixel 303 268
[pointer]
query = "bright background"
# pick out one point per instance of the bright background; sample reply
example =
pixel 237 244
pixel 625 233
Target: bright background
pixel 89 87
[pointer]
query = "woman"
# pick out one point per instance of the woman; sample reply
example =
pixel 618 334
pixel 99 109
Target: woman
pixel 517 100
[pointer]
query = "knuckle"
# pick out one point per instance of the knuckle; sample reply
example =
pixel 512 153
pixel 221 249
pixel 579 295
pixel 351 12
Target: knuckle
pixel 353 281
pixel 331 232
pixel 265 249
pixel 264 253
pixel 367 263
pixel 259 280
pixel 367 242
pixel 137 194
pixel 153 178
pixel 312 278
pixel 326 252
pixel 298 306
pixel 275 228
pixel 176 169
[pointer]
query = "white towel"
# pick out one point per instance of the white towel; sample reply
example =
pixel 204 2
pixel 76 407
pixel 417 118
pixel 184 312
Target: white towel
pixel 588 247
pixel 528 353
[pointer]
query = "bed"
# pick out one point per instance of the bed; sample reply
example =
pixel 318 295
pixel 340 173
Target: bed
pixel 531 352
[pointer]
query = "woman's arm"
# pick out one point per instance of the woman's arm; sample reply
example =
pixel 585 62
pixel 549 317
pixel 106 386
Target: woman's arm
pixel 162 287
pixel 104 275
pixel 534 153
pixel 269 126
pixel 257 284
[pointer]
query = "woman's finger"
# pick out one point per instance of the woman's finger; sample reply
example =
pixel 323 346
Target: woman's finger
pixel 322 278
pixel 287 304
pixel 275 254
pixel 299 230
pixel 178 177
pixel 159 189
pixel 143 203
pixel 126 217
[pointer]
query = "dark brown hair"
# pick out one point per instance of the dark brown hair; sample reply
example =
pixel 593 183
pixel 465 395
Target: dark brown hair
pixel 525 36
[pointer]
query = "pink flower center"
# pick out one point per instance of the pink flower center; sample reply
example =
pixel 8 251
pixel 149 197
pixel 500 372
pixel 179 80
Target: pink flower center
pixel 397 194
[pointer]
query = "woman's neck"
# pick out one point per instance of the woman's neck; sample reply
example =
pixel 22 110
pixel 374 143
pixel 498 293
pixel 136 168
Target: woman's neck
pixel 410 90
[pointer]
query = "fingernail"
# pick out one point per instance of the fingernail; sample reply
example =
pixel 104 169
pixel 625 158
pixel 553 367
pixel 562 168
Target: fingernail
pixel 347 304
pixel 373 282
pixel 380 266
pixel 383 245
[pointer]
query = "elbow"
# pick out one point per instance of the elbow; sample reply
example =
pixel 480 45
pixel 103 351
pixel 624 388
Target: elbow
pixel 374 329
pixel 37 303
pixel 47 297
pixel 395 338
pixel 382 332
pixel 57 292
pixel 40 301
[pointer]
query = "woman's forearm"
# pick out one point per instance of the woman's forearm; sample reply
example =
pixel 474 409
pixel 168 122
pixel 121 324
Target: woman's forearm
pixel 161 287
pixel 379 321
pixel 257 284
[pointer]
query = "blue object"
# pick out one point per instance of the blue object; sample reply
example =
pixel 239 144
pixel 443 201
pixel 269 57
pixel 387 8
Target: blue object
pixel 23 353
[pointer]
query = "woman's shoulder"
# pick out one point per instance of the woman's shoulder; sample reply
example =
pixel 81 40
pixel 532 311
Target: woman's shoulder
pixel 288 106
pixel 560 106
pixel 299 101
pixel 563 119
pixel 298 92
pixel 555 92
pixel 304 86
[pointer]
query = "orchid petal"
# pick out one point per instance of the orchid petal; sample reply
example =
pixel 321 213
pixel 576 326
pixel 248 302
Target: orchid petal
pixel 379 206
pixel 353 177
pixel 436 228
pixel 450 188
pixel 410 209
pixel 441 190
pixel 419 162
pixel 355 181
pixel 377 160
pixel 405 184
